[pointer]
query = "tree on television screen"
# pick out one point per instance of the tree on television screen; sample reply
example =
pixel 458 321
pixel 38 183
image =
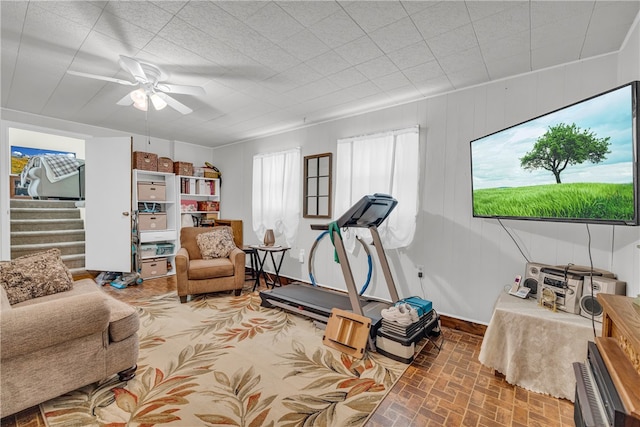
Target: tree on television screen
pixel 563 145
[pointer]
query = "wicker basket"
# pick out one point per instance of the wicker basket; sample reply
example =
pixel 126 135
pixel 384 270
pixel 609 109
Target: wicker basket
pixel 210 173
pixel 183 168
pixel 144 161
pixel 165 164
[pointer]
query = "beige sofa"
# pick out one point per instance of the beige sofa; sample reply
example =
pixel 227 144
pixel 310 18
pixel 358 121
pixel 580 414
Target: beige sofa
pixel 57 343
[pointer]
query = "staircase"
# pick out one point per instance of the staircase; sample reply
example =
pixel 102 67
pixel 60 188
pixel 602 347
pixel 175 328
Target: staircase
pixel 38 225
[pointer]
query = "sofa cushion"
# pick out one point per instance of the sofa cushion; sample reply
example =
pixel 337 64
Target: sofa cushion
pixel 217 243
pixel 200 269
pixel 123 320
pixel 35 275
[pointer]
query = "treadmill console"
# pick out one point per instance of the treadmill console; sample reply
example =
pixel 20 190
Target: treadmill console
pixel 369 210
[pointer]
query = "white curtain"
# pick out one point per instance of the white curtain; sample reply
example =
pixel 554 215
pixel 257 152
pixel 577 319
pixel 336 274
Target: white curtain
pixel 276 194
pixel 386 162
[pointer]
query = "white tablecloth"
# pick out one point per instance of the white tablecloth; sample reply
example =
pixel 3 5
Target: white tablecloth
pixel 534 347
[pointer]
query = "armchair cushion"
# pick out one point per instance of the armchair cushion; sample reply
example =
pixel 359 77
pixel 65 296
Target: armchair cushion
pixel 217 243
pixel 201 269
pixel 35 275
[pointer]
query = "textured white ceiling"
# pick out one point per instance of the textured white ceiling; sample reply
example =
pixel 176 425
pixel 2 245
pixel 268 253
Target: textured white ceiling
pixel 269 66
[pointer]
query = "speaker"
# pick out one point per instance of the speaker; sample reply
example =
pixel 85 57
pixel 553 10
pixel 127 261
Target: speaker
pixel 589 305
pixel 532 277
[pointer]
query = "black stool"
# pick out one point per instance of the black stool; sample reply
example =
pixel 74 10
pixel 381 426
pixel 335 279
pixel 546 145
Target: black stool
pixel 253 256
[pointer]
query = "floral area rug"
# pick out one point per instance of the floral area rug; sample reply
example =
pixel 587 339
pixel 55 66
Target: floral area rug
pixel 224 360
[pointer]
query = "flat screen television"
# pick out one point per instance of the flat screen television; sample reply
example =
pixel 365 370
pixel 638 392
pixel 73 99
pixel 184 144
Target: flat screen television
pixel 575 164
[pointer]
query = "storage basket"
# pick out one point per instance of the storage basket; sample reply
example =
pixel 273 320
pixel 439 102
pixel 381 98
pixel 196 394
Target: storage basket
pixel 211 173
pixel 208 206
pixel 165 164
pixel 144 161
pixel 164 248
pixel 152 191
pixel 152 221
pixel 147 250
pixel 183 168
pixel 153 267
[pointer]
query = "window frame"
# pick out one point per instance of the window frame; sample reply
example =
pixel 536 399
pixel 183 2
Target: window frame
pixel 323 186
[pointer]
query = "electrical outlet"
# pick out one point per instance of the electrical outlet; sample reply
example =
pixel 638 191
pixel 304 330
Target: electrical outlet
pixel 301 256
pixel 420 271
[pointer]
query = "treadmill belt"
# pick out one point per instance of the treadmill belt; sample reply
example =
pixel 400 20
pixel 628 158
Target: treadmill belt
pixel 311 297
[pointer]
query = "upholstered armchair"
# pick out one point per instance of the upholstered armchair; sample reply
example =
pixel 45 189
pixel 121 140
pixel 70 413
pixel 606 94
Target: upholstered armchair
pixel 221 272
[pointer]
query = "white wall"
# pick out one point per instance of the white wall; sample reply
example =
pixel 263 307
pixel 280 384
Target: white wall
pixel 467 261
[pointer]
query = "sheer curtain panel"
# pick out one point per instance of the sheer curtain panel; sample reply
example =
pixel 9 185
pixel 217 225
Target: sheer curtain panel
pixel 276 194
pixel 386 162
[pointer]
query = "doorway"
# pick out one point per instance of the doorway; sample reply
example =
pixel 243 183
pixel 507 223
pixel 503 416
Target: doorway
pixel 38 183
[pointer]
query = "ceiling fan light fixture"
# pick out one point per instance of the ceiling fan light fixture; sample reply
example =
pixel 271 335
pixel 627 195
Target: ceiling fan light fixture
pixel 158 103
pixel 139 98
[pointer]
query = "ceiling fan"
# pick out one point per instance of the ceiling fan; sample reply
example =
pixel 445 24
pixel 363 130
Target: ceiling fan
pixel 152 88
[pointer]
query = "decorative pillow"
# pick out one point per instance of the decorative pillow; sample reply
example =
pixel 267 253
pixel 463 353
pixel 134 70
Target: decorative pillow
pixel 35 275
pixel 217 243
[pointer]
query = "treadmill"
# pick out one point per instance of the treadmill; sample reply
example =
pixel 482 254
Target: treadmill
pixel 317 302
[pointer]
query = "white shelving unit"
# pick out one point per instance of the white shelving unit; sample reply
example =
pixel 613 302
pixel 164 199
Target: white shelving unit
pixel 164 207
pixel 194 189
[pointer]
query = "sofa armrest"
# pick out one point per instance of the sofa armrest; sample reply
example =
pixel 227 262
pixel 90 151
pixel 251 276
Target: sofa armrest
pixel 238 258
pixel 182 270
pixel 36 326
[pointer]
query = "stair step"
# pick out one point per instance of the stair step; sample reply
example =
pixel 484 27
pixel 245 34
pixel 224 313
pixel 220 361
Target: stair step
pixel 75 261
pixel 39 225
pixel 44 213
pixel 66 248
pixel 32 203
pixel 46 224
pixel 50 236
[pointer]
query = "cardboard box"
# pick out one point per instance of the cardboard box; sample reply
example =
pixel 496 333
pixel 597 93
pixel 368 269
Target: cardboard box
pixel 152 191
pixel 152 221
pixel 145 161
pixel 153 267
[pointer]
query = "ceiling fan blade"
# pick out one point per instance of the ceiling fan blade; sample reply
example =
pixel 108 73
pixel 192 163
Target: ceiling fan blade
pixel 126 100
pixel 181 89
pixel 133 67
pixel 105 78
pixel 175 104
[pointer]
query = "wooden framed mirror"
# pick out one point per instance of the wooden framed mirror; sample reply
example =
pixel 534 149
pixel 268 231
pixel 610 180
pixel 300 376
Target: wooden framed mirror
pixel 317 186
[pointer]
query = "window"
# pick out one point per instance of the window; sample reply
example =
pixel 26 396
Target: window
pixel 386 162
pixel 276 194
pixel 317 186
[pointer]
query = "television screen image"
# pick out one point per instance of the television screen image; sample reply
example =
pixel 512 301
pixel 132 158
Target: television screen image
pixel 20 156
pixel 578 163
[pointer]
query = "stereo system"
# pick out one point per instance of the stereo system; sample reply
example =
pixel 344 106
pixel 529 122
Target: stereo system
pixel 575 286
pixel 589 304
